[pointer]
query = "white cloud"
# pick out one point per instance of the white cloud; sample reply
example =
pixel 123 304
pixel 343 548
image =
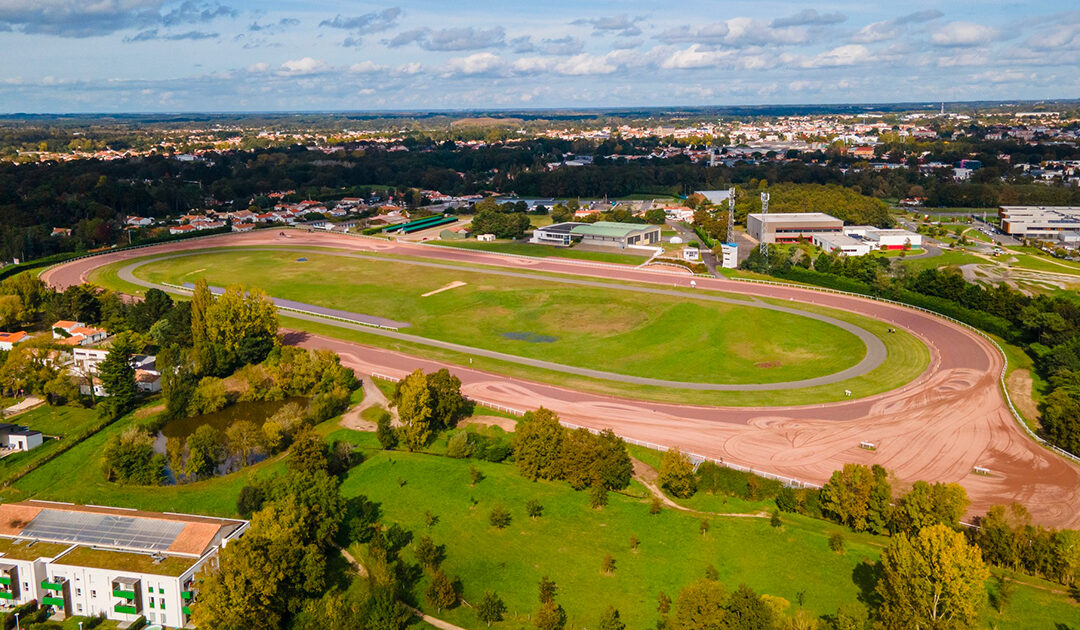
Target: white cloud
pixel 262 66
pixel 963 34
pixel 478 63
pixel 846 55
pixel 302 67
pixel 693 57
pixel 586 64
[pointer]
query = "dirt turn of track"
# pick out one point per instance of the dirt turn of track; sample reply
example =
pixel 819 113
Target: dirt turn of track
pixel 937 428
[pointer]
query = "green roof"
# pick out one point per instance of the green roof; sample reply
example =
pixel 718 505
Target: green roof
pixel 609 228
pixel 123 561
pixel 23 550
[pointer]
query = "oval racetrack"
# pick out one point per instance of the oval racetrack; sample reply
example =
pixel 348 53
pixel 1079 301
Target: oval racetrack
pixel 937 428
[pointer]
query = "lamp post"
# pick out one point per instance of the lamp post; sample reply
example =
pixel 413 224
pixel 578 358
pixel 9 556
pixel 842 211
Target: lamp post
pixel 17 622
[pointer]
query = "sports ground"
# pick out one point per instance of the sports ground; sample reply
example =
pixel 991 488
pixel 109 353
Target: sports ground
pixel 946 420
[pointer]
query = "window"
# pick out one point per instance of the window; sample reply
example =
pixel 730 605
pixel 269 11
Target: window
pixel 93 593
pixel 161 603
pixel 78 608
pixel 78 591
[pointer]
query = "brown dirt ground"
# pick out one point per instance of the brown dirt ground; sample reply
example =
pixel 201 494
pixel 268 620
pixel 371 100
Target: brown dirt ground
pixel 1020 390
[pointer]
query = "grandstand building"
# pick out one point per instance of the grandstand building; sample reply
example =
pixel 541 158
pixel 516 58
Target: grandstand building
pixel 606 233
pixel 90 560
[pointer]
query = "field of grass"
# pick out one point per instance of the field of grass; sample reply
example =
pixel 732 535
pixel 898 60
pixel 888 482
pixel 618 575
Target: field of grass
pixel 568 542
pixel 614 330
pixel 946 259
pixel 546 251
pixel 56 424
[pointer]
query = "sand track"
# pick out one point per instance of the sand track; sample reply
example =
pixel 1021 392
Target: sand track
pixel 937 428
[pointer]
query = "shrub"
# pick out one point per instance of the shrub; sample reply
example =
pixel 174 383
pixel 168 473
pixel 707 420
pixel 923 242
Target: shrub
pixel 500 517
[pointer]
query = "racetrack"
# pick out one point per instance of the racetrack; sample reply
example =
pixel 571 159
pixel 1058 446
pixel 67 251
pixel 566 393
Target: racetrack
pixel 937 428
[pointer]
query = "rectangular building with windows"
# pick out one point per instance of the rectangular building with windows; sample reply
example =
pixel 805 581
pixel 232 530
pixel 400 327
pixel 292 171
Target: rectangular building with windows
pixel 607 233
pixel 1041 222
pixel 789 227
pixel 91 560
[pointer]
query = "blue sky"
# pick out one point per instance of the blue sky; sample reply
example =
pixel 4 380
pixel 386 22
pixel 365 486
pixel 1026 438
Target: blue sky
pixel 233 55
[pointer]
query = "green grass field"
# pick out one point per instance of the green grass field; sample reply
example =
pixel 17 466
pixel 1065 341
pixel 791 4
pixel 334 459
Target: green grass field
pixel 56 424
pixel 546 251
pixel 607 329
pixel 946 259
pixel 568 542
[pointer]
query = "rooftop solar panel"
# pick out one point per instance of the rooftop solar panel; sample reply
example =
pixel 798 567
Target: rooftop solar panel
pixel 144 534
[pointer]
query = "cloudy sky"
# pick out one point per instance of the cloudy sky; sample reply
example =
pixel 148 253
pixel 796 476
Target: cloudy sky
pixel 243 55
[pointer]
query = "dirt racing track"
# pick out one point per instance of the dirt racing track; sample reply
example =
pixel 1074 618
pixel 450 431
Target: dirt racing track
pixel 937 428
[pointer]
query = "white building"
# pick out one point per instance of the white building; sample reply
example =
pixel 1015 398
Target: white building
pixel 842 243
pixel 8 340
pixel 86 363
pixel 729 255
pixel 691 254
pixel 1041 222
pixel 14 437
pixel 885 238
pixel 120 563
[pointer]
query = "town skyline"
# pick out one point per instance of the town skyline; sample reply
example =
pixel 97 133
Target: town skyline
pixel 161 56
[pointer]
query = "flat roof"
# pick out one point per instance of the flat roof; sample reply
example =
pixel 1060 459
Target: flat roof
pixel 558 228
pixel 131 530
pixel 21 549
pixel 802 217
pixel 93 558
pixel 610 228
pixel 840 240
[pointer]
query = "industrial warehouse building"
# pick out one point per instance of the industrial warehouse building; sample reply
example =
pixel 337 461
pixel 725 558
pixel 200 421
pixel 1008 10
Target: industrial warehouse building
pixel 1041 222
pixel 121 563
pixel 885 238
pixel 607 233
pixel 792 226
pixel 842 244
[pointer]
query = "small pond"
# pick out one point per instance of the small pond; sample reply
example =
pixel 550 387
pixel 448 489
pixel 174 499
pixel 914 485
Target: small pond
pixel 257 411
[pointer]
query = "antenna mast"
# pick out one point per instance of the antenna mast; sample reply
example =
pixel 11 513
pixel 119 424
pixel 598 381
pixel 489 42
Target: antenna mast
pixel 763 247
pixel 731 215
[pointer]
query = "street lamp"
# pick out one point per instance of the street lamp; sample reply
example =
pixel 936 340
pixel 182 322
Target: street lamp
pixel 17 622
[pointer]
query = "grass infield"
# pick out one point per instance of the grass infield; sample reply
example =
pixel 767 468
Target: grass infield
pixel 613 330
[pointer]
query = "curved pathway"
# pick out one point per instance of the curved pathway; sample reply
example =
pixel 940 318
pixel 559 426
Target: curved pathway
pixel 936 428
pixel 875 349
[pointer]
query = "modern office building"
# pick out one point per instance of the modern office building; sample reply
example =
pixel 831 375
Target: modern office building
pixel 606 233
pixel 91 560
pixel 791 226
pixel 885 238
pixel 1041 222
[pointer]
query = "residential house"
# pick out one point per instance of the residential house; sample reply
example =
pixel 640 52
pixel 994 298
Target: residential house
pixel 9 339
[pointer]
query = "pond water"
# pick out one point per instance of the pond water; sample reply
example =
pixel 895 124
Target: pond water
pixel 257 411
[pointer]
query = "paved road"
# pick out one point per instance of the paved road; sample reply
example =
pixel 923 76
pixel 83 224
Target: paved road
pixel 937 428
pixel 874 357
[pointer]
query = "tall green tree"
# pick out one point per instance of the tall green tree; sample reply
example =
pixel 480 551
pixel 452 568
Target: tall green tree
pixel 490 608
pixel 700 606
pixel 538 442
pixel 930 504
pixel 416 411
pixel 205 452
pixel 448 405
pixel 933 580
pixel 118 376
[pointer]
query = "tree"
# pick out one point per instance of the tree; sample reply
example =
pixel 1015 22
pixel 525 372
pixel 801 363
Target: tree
pixel 933 580
pixel 308 453
pixel 250 501
pixel 490 608
pixel 699 606
pixel 612 468
pixel 499 517
pixel 677 474
pixel 655 216
pixel 607 565
pixel 244 438
pixel 610 620
pixel 930 504
pixel 448 405
pixel 118 376
pixel 427 553
pixel 854 496
pixel 550 616
pixel 663 603
pixel 598 497
pixel 205 452
pixel 130 458
pixel 441 593
pixel 746 610
pixel 385 433
pixel 538 443
pixel 415 410
pixel 546 590
pixel 534 509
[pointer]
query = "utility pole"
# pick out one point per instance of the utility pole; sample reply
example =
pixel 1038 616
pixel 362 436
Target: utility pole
pixel 763 247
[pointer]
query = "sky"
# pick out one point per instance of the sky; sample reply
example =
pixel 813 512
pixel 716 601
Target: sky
pixel 63 56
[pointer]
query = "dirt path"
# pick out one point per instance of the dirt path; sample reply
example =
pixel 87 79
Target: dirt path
pixel 373 396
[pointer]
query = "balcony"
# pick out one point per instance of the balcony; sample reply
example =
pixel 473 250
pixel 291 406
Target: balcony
pixel 53 601
pixel 5 580
pixel 186 610
pixel 125 609
pixel 184 595
pixel 123 594
pixel 52 586
pixel 7 595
